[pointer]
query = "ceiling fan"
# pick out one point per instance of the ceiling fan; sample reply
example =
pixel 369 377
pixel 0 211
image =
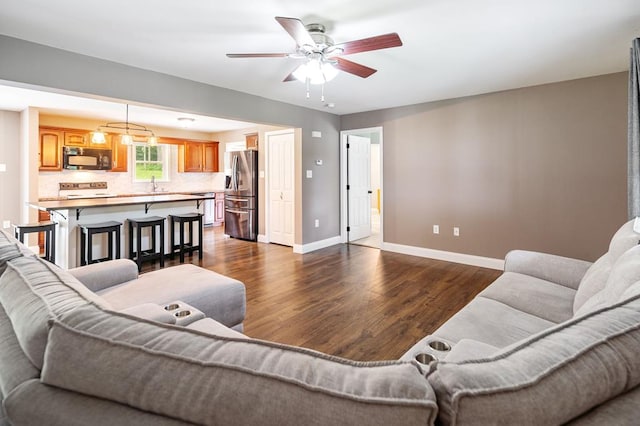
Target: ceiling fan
pixel 323 57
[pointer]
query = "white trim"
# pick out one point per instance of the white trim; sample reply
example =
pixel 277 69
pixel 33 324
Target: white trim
pixel 316 245
pixel 343 178
pixel 466 259
pixel 263 238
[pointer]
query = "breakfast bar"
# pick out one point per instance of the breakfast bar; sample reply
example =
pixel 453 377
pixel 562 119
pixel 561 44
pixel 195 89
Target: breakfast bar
pixel 69 213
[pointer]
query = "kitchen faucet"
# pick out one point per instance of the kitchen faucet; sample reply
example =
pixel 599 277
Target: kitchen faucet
pixel 154 185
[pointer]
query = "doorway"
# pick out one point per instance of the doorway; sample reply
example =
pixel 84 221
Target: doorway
pixel 280 187
pixel 361 189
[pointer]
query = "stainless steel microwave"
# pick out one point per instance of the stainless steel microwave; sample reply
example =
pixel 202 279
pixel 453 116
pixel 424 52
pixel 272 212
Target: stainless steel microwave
pixel 76 158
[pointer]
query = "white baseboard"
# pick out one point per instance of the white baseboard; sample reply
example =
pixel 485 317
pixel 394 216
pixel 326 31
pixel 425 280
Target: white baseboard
pixel 262 238
pixel 317 245
pixel 466 259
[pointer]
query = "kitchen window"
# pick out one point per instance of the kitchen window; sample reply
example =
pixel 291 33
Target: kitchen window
pixel 150 161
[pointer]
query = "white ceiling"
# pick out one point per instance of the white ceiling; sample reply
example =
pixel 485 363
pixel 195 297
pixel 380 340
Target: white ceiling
pixel 452 48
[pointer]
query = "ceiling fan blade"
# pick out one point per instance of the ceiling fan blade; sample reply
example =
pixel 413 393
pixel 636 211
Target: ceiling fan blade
pixel 296 30
pixel 367 44
pixel 290 77
pixel 257 55
pixel 353 68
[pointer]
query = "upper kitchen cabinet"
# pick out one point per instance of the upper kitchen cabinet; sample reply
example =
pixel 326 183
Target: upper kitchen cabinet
pixel 50 149
pixel 251 140
pixel 82 138
pixel 119 154
pixel 198 157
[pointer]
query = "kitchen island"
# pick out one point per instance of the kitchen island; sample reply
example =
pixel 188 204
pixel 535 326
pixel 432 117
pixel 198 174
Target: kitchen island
pixel 69 213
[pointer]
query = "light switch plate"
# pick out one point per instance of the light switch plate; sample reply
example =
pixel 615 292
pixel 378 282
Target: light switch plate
pixel 309 174
pixel 3 167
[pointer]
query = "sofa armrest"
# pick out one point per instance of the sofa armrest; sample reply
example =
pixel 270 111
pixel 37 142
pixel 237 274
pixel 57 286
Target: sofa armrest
pixel 557 269
pixel 469 349
pixel 151 312
pixel 99 276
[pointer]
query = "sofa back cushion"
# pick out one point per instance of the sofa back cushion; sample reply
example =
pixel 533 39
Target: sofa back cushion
pixel 33 291
pixel 15 367
pixel 207 379
pixel 597 275
pixel 8 252
pixel 623 274
pixel 550 378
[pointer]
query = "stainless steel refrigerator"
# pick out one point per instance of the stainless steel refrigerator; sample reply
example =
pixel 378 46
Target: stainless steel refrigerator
pixel 241 196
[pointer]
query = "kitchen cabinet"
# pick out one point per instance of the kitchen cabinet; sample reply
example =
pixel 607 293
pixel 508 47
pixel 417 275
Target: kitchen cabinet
pixel 76 138
pixel 50 150
pixel 218 215
pixel 251 140
pixel 119 154
pixel 198 157
pixel 82 138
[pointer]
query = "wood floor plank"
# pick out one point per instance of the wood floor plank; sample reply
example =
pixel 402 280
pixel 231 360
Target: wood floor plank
pixel 350 301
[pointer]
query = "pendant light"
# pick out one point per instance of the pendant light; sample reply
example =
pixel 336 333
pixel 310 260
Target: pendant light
pixel 126 138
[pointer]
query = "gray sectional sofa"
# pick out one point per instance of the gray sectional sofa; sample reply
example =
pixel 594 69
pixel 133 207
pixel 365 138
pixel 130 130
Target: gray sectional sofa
pixel 553 340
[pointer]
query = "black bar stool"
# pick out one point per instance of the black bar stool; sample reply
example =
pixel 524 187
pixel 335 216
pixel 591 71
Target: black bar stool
pixel 49 229
pixel 86 240
pixel 190 246
pixel 140 255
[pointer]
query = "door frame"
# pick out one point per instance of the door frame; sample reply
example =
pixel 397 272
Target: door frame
pixel 344 218
pixel 267 205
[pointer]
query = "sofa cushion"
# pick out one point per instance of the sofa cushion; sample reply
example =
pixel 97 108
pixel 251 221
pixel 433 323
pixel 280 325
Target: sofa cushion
pixel 596 277
pixel 544 299
pixel 8 252
pixel 624 273
pixel 622 410
pixel 491 322
pixel 549 378
pixel 213 327
pixel 203 379
pixel 189 283
pixel 593 281
pixel 32 292
pixel 34 403
pixel 15 367
pixel 624 238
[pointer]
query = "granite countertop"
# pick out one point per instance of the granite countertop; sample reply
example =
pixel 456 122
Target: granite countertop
pixel 137 194
pixel 130 199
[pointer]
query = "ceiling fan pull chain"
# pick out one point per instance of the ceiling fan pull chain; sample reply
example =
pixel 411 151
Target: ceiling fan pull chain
pixel 322 96
pixel 308 82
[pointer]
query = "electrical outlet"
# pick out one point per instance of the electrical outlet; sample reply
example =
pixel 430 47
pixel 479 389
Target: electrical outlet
pixel 317 223
pixel 6 224
pixel 456 231
pixel 436 229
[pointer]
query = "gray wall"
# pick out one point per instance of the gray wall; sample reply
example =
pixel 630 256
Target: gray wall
pixel 10 156
pixel 54 69
pixel 540 168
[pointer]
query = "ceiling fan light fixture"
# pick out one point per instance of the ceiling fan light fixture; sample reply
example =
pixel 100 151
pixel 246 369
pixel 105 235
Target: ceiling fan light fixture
pixel 317 71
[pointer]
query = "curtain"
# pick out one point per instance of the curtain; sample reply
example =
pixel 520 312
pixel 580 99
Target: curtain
pixel 633 169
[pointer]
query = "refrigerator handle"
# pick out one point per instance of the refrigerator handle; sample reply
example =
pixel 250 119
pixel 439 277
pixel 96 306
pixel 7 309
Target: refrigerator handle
pixel 234 175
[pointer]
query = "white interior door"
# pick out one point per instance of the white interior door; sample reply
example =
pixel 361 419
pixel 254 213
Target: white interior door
pixel 281 189
pixel 359 181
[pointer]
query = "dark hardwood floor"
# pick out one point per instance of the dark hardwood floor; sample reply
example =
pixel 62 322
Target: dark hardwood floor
pixel 350 301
